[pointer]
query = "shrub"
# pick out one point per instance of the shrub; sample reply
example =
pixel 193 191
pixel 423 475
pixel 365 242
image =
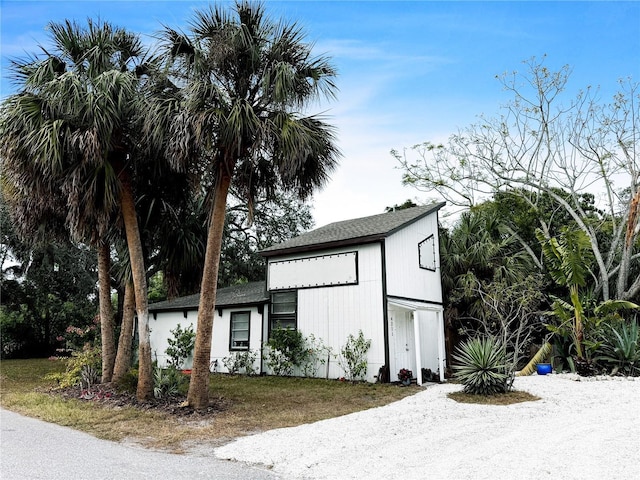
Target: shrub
pixel 353 357
pixel 88 361
pixel 180 346
pixel 241 362
pixel 129 381
pixel 316 354
pixel 481 367
pixel 286 350
pixel 620 351
pixel 168 382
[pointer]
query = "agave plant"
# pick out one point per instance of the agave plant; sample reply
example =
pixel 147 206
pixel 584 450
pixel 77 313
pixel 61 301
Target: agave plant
pixel 480 364
pixel 622 349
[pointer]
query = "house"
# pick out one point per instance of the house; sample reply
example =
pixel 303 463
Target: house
pixel 378 274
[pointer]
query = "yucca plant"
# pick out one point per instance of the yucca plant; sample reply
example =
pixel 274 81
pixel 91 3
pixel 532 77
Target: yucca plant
pixel 480 364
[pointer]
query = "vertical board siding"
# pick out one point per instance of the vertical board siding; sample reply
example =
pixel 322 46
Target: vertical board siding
pixel 334 313
pixel 160 332
pixel 405 278
pixel 164 322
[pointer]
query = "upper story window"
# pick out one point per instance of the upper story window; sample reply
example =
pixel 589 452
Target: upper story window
pixel 239 336
pixel 427 253
pixel 284 309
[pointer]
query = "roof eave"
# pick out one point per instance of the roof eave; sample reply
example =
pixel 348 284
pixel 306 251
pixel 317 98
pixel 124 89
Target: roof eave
pixel 195 307
pixel 324 246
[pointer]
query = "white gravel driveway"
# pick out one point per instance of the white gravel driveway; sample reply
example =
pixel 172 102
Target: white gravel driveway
pixel 579 430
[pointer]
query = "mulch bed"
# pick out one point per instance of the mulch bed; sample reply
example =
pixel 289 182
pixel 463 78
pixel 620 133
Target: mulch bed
pixel 108 396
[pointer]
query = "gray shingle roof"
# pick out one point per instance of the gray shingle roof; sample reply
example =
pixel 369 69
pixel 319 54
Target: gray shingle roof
pixel 246 294
pixel 349 232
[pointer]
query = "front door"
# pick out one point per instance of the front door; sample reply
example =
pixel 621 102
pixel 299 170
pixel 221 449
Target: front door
pixel 402 341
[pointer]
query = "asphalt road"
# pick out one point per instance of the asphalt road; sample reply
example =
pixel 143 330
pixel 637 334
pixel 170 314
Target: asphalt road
pixel 31 449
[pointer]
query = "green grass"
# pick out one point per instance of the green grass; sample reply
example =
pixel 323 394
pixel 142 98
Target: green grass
pixel 248 405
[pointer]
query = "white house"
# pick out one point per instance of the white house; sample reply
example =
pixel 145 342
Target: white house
pixel 378 274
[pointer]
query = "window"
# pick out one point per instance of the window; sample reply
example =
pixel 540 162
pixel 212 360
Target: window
pixel 284 307
pixel 239 331
pixel 427 253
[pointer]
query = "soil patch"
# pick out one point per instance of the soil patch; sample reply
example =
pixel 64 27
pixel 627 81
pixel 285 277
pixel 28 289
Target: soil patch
pixel 107 395
pixel 508 398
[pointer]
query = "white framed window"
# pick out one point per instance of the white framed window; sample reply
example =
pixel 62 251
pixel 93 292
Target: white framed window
pixel 239 336
pixel 427 253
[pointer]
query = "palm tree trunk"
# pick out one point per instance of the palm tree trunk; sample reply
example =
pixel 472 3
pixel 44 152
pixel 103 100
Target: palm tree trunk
pixel 539 357
pixel 123 357
pixel 198 396
pixel 127 205
pixel 106 312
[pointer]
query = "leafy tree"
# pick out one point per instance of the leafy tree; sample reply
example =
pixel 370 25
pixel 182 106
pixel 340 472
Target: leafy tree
pixel 407 204
pixel 49 288
pixel 480 259
pixel 247 233
pixel 539 149
pixel 247 81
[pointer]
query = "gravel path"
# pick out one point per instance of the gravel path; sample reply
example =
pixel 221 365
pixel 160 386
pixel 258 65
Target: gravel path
pixel 580 429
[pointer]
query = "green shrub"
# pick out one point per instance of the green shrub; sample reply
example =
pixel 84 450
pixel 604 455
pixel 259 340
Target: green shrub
pixel 316 355
pixel 129 381
pixel 241 362
pixel 169 382
pixel 286 350
pixel 180 346
pixel 620 350
pixel 353 357
pixel 87 363
pixel 481 367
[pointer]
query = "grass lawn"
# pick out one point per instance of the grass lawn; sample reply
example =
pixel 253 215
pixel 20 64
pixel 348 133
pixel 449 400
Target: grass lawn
pixel 248 405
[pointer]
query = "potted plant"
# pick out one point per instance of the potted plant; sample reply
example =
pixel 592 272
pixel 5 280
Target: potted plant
pixel 405 375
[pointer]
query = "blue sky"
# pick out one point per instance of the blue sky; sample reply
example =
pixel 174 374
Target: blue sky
pixel 408 71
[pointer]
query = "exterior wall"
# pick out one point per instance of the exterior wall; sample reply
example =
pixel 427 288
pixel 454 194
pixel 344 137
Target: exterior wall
pixel 166 321
pixel 161 325
pixel 405 278
pixel 332 313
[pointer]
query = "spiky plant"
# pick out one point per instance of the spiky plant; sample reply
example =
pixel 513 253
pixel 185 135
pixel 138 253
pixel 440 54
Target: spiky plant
pixel 621 350
pixel 480 365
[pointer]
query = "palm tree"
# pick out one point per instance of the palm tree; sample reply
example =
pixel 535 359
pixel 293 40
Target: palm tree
pixel 247 80
pixel 72 126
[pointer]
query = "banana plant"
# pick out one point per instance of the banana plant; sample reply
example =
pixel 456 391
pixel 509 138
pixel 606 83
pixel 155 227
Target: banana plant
pixel 568 259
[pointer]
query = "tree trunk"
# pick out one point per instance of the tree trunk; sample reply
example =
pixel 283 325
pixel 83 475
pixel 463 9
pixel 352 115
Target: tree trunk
pixel 106 312
pixel 127 205
pixel 123 358
pixel 198 396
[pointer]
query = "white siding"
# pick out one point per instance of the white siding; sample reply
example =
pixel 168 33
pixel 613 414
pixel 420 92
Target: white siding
pixel 333 313
pixel 405 278
pixel 166 321
pixel 161 325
